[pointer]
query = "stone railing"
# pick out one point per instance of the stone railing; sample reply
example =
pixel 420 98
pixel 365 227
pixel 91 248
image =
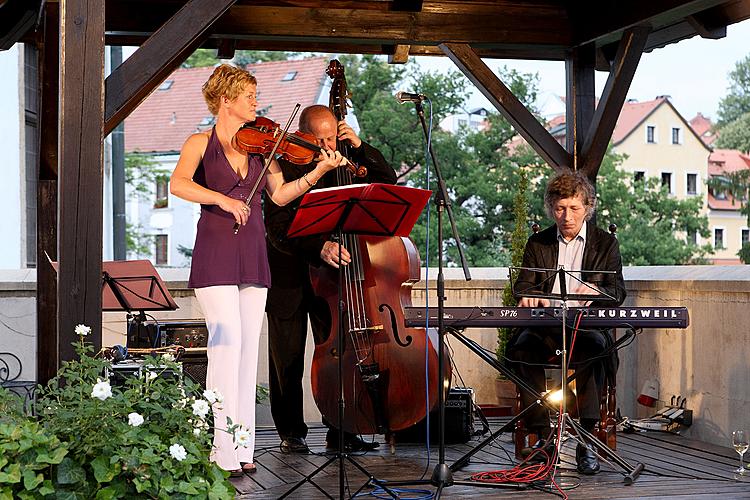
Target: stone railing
pixel 706 363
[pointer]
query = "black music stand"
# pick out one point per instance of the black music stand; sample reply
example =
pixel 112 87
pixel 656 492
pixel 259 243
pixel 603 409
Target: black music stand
pixel 371 209
pixel 564 421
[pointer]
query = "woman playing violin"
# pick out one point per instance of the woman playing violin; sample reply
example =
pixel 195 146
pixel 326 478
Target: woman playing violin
pixel 229 271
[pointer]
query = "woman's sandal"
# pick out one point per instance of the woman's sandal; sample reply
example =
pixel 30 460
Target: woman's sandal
pixel 236 473
pixel 248 468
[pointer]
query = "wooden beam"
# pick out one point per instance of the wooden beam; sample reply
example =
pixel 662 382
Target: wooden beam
pixel 508 104
pixel 161 54
pixel 580 100
pixel 613 97
pixel 605 23
pixel 400 55
pixel 407 5
pixel 466 22
pixel 47 360
pixel 81 172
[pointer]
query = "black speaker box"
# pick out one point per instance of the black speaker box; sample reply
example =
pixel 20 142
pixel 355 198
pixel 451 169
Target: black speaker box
pixel 459 420
pixel 195 365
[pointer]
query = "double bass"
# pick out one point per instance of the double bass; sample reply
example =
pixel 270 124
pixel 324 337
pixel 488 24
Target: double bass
pixel 388 369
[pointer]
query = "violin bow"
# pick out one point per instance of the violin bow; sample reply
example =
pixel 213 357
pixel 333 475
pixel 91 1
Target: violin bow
pixel 269 158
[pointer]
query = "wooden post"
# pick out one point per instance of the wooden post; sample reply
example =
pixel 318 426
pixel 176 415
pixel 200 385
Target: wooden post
pixel 580 100
pixel 81 171
pixel 46 221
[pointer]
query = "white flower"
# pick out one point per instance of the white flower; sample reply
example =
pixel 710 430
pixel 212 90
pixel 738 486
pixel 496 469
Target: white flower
pixel 197 431
pixel 178 452
pixel 167 357
pixel 150 375
pixel 200 407
pixel 101 390
pixel 242 438
pixel 213 396
pixel 82 330
pixel 135 419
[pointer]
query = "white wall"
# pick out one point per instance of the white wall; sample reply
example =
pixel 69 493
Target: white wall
pixel 11 122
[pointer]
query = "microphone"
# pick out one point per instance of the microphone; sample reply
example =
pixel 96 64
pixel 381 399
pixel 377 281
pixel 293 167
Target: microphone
pixel 403 97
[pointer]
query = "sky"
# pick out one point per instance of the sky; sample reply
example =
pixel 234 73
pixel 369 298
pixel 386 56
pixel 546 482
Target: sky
pixel 693 72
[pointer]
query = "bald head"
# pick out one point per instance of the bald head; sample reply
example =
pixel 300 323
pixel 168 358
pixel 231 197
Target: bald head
pixel 319 121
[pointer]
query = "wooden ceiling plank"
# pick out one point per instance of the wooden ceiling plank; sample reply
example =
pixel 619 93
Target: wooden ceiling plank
pixel 508 104
pixel 161 54
pixel 613 97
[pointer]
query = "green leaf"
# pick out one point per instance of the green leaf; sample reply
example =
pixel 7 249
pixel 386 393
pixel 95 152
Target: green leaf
pixel 184 487
pixel 104 471
pixel 46 488
pixel 107 493
pixel 6 494
pixel 69 472
pixel 31 480
pixel 11 475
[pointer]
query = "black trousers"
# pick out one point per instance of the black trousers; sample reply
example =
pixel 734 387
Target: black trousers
pixel 530 350
pixel 287 337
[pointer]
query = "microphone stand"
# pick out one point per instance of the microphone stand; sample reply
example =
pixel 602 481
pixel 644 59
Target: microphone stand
pixel 442 475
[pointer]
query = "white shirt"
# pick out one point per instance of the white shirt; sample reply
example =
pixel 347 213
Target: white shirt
pixel 570 257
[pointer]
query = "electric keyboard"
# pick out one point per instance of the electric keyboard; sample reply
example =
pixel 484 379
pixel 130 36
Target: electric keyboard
pixel 593 317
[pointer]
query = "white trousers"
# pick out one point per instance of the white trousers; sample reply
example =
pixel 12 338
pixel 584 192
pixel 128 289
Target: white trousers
pixel 234 318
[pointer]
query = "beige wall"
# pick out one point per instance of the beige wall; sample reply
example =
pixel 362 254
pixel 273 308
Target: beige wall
pixel 707 363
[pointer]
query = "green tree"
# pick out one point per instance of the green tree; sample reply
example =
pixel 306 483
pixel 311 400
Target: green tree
pixel 737 102
pixel 736 134
pixel 208 57
pixel 201 58
pixel 142 172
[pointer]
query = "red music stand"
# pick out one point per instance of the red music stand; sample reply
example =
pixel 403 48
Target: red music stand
pixel 371 209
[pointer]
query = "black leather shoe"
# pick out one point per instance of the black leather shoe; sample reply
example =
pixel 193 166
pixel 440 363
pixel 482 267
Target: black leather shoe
pixel 588 462
pixel 351 443
pixel 294 445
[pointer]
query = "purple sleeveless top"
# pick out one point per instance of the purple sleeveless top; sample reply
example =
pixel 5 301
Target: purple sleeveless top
pixel 221 257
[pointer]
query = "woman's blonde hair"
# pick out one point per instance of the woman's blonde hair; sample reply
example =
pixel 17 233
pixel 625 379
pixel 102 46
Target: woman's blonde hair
pixel 226 81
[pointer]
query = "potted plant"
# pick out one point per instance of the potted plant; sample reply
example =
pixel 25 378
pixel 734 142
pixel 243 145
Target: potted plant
pixel 504 388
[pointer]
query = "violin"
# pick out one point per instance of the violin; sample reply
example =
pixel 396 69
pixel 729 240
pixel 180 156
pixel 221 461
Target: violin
pixel 259 137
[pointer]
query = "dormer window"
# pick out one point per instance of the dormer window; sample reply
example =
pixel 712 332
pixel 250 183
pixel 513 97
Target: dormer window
pixel 166 85
pixel 289 76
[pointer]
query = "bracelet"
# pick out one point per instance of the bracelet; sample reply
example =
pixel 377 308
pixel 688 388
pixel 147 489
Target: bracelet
pixel 310 184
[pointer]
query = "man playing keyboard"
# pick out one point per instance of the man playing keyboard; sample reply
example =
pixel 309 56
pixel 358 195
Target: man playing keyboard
pixel 576 245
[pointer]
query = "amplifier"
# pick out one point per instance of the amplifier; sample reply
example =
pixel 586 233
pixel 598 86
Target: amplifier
pixel 185 333
pixel 459 420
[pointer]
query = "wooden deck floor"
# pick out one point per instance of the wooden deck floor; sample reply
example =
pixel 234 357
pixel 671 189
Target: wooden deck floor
pixel 676 468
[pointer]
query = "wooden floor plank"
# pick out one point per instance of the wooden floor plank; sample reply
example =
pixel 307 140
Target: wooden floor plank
pixel 676 468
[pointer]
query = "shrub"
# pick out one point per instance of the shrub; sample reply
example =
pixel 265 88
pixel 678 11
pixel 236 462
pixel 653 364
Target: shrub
pixel 148 437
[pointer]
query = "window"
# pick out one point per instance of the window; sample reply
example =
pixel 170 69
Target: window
pixel 162 249
pixel 745 237
pixel 639 176
pixel 692 184
pixel 289 76
pixel 676 135
pixel 718 238
pixel 162 193
pixel 166 85
pixel 666 180
pixel 651 134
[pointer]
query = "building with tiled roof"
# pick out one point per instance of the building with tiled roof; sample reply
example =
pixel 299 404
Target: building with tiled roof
pixel 729 226
pixel 162 123
pixel 703 126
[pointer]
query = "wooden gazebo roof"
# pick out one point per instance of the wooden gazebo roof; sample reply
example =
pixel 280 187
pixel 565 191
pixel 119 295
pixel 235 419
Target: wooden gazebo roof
pixel 587 35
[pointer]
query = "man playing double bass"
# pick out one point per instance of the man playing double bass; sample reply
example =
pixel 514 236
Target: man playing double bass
pixel 291 298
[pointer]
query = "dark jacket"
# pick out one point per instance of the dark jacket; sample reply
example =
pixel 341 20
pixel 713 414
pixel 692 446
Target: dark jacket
pixel 290 258
pixel 601 253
